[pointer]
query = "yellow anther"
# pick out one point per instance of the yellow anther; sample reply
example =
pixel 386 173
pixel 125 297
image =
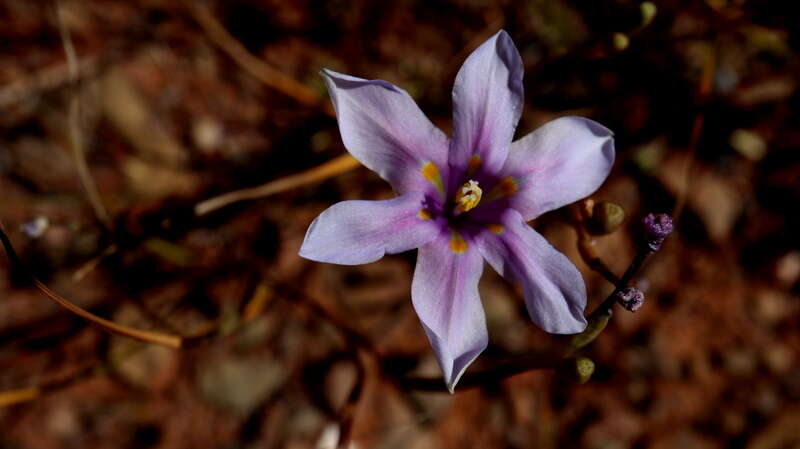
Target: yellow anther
pixel 457 243
pixel 424 214
pixel 468 196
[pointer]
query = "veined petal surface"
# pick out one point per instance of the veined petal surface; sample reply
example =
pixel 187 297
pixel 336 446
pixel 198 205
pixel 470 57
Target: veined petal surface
pixel 445 297
pixel 555 294
pixel 487 104
pixel 559 163
pixel 356 232
pixel 385 130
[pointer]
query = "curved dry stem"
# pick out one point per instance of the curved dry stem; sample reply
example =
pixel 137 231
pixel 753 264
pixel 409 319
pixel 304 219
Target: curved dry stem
pixel 75 138
pixel 589 255
pixel 252 64
pixel 12 397
pixel 168 340
pixel 704 91
pixel 508 368
pixel 331 168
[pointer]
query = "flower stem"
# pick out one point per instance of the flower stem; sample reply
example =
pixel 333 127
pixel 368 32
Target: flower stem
pixel 605 307
pixel 590 256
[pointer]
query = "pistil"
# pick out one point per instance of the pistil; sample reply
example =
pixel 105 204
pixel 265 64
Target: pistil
pixel 468 197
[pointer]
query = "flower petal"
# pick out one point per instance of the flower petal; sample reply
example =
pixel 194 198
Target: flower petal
pixel 356 232
pixel 487 103
pixel 561 162
pixel 385 130
pixel 445 296
pixel 555 294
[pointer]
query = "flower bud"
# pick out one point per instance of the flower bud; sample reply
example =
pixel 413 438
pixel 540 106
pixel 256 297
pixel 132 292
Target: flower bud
pixel 656 228
pixel 620 41
pixel 606 218
pixel 631 298
pixel 578 370
pixel 584 368
pixel 648 10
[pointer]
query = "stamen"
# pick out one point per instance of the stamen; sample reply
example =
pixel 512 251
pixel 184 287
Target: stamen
pixel 468 196
pixel 424 214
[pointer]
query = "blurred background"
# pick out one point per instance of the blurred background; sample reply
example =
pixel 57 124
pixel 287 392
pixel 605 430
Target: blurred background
pixel 118 118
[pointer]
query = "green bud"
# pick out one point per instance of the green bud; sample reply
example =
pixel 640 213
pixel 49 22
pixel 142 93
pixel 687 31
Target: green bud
pixel 648 12
pixel 578 370
pixel 621 41
pixel 584 368
pixel 606 218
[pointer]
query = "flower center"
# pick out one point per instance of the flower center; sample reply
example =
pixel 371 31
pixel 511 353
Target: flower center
pixel 468 196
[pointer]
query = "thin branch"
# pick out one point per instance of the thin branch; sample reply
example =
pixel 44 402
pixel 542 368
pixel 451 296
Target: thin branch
pixel 589 255
pixel 500 371
pixel 168 340
pixel 352 335
pixel 92 368
pixel 12 397
pixel 704 91
pixel 73 123
pixel 604 309
pixel 579 216
pixel 46 79
pixel 89 266
pixel 326 170
pixel 252 64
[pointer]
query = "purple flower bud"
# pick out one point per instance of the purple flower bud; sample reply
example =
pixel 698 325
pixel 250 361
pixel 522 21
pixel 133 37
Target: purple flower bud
pixel 656 227
pixel 631 298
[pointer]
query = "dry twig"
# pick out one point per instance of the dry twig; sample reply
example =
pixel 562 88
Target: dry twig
pixel 252 64
pixel 168 340
pixel 73 124
pixel 331 168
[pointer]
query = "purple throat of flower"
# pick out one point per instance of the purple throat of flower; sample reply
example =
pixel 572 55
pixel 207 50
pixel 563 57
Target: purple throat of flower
pixel 462 209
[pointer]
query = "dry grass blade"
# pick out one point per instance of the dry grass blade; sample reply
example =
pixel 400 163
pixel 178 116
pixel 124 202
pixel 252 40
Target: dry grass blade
pixel 75 136
pixel 45 80
pixel 253 65
pixel 168 340
pixel 12 397
pixel 704 91
pixel 331 168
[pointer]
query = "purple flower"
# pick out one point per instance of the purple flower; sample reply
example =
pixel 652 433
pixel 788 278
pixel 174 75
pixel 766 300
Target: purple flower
pixel 464 199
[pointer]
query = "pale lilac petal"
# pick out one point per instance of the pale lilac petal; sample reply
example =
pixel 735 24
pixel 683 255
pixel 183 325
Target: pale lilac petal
pixel 356 232
pixel 563 161
pixel 385 130
pixel 445 296
pixel 555 294
pixel 487 103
